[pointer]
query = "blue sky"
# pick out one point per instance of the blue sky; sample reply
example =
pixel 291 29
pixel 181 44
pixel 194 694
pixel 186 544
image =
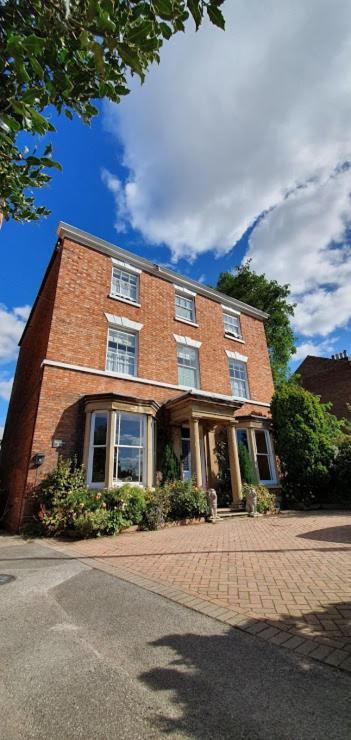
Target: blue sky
pixel 223 132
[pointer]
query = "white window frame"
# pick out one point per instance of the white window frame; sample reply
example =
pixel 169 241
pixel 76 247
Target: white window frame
pixel 269 454
pixel 229 332
pixel 116 420
pixel 90 483
pixel 180 346
pixel 191 299
pixel 134 334
pixel 243 364
pixel 130 273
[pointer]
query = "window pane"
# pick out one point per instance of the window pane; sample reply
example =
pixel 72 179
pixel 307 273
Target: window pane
pixel 241 435
pixel 121 354
pixel 130 464
pixel 184 308
pixel 261 442
pixel 238 377
pixel 100 429
pixel 124 284
pixel 263 467
pixel 98 467
pixel 187 377
pixel 130 430
pixel 232 325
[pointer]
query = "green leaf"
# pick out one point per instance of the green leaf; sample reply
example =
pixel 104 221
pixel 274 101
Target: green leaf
pixel 37 67
pixel 166 30
pixel 164 9
pixel 216 16
pixel 195 11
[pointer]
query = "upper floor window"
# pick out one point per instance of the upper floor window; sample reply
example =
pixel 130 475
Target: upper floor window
pixel 185 307
pixel 188 366
pixel 125 284
pixel 232 325
pixel 121 352
pixel 238 378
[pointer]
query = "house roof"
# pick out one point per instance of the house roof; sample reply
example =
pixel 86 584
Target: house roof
pixel 100 245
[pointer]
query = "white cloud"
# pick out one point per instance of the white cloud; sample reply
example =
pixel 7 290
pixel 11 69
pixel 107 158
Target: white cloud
pixel 230 122
pixel 12 322
pixel 303 241
pixel 317 349
pixel 1 432
pixel 5 387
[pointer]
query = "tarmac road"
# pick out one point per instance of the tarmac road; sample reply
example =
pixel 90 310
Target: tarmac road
pixel 86 655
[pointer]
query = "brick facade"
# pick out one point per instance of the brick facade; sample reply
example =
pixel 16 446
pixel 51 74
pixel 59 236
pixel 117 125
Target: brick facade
pixel 329 378
pixel 68 326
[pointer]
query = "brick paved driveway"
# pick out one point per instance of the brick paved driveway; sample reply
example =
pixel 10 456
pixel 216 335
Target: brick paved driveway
pixel 292 573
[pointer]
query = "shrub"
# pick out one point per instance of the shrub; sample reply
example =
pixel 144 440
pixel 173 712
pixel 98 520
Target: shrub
pixel 246 467
pixel 170 467
pixel 63 496
pixel 305 435
pixel 265 498
pixel 341 473
pixel 128 499
pixel 187 501
pixel 96 523
pixel 157 508
pixel 224 486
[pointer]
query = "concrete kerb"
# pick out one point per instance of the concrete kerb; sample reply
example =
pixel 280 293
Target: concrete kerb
pixel 264 629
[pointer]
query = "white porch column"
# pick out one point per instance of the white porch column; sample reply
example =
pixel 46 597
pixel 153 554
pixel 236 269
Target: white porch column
pixel 234 464
pixel 150 452
pixel 195 450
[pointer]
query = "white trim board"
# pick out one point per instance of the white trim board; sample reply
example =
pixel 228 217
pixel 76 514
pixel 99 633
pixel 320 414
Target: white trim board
pixel 187 340
pixel 122 322
pixel 145 381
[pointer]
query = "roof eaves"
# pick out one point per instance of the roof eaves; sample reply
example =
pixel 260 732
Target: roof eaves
pixel 93 242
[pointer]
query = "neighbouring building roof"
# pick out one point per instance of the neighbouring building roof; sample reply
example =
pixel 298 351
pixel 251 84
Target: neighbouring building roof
pixel 329 378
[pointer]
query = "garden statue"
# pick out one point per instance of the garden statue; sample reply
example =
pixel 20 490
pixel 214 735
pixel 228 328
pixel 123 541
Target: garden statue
pixel 212 502
pixel 251 501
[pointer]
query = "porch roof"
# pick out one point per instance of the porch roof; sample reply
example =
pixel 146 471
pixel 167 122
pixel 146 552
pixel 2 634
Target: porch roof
pixel 193 405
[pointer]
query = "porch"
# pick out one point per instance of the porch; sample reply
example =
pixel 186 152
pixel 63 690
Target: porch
pixel 193 421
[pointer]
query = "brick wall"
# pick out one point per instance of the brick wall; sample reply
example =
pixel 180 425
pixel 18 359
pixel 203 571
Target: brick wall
pixel 329 379
pixel 46 403
pixel 19 428
pixel 79 327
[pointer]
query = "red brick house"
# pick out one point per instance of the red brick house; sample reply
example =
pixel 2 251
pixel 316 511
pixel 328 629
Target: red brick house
pixel 329 378
pixel 119 354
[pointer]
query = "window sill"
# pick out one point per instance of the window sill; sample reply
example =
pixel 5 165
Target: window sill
pixel 234 339
pixel 185 321
pixel 121 375
pixel 123 300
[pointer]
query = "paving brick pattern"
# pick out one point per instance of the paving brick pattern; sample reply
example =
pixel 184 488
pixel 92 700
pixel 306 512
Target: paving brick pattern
pixel 286 579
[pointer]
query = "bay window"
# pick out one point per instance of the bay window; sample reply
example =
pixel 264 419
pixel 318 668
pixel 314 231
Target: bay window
pixel 129 448
pixel 97 452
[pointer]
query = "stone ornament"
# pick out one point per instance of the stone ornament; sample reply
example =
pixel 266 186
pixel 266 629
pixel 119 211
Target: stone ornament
pixel 251 501
pixel 212 502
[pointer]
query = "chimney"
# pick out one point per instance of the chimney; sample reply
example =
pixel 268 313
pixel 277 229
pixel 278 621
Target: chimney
pixel 340 355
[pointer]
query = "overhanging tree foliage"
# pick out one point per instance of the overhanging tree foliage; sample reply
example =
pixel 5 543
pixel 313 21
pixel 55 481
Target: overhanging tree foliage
pixel 67 54
pixel 306 437
pixel 266 295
